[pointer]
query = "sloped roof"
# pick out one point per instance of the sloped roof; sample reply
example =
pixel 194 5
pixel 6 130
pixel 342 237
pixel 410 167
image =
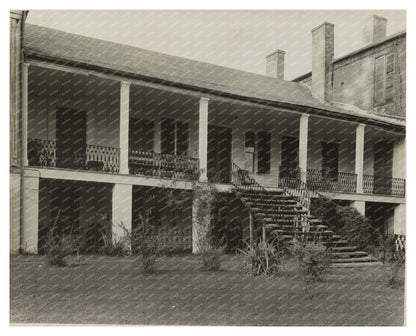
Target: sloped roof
pixel 66 47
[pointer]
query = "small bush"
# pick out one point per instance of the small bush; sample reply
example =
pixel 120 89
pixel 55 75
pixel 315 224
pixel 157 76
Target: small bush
pixel 58 247
pixel 113 247
pixel 262 258
pixel 211 258
pixel 312 259
pixel 144 241
pixel 357 229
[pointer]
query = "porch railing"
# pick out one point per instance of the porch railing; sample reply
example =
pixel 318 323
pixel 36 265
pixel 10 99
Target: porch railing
pixel 384 185
pixel 342 182
pixel 163 165
pixel 43 153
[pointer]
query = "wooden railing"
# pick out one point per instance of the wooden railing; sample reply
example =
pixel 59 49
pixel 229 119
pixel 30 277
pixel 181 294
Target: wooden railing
pixel 384 185
pixel 43 153
pixel 163 165
pixel 342 182
pixel 241 179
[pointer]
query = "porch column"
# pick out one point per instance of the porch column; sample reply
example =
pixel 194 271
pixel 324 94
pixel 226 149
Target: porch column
pixel 359 156
pixel 201 221
pixel 203 139
pixel 25 90
pixel 303 145
pixel 124 126
pixel 30 220
pixel 121 209
pixel 400 219
pixel 360 206
pixel 399 158
pixel 157 136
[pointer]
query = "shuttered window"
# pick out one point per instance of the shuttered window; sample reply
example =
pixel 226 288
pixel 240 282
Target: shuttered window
pixel 175 137
pixel 383 81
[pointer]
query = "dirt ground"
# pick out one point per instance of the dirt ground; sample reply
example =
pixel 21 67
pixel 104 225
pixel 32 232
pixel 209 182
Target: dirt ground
pixel 105 290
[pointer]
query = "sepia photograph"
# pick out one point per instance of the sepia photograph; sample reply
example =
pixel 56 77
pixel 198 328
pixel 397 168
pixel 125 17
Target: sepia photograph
pixel 207 167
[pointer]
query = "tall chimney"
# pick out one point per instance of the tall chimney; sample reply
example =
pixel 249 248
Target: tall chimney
pixel 322 56
pixel 374 29
pixel 275 64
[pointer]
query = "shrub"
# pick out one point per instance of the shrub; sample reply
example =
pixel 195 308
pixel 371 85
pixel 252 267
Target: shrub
pixel 144 240
pixel 312 259
pixel 211 258
pixel 113 246
pixel 58 247
pixel 357 229
pixel 262 258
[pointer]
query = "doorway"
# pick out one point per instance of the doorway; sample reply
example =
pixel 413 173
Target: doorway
pixel 219 154
pixel 71 138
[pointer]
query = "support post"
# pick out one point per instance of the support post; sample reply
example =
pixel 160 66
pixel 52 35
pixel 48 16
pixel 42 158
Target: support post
pixel 360 206
pixel 203 139
pixel 303 145
pixel 359 157
pixel 124 126
pixel 157 136
pixel 121 209
pixel 251 227
pixel 30 214
pixel 201 221
pixel 399 225
pixel 25 90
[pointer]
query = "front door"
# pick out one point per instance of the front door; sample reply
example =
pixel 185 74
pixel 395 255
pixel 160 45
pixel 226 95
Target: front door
pixel 219 154
pixel 289 156
pixel 71 138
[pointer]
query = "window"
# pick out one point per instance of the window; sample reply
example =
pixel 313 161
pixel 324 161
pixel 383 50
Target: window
pixel 175 137
pixel 383 82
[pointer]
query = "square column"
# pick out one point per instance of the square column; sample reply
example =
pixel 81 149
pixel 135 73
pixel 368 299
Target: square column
pixel 303 145
pixel 157 135
pixel 400 219
pixel 25 90
pixel 124 126
pixel 360 206
pixel 203 139
pixel 359 156
pixel 30 214
pixel 121 209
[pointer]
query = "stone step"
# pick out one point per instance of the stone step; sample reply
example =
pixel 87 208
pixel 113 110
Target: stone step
pixel 367 259
pixel 344 255
pixel 356 264
pixel 345 249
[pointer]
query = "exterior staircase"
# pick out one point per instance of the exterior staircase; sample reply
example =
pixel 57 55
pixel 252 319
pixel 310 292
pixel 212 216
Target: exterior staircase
pixel 282 213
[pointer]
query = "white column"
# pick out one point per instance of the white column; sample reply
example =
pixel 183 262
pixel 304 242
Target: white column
pixel 399 158
pixel 30 214
pixel 360 206
pixel 157 135
pixel 303 145
pixel 201 221
pixel 121 209
pixel 203 139
pixel 25 90
pixel 124 127
pixel 359 156
pixel 400 219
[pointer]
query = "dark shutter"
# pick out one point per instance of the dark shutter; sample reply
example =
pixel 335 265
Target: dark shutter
pixel 263 152
pixel 168 136
pixel 379 80
pixel 389 77
pixel 182 138
pixel 141 134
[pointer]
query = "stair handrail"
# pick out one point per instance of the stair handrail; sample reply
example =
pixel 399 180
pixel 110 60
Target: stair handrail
pixel 241 179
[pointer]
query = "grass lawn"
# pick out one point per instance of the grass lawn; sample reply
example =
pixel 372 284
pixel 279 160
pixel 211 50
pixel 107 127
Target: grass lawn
pixel 104 290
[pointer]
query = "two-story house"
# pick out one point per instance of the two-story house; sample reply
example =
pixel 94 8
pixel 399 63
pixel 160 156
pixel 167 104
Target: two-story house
pixel 96 125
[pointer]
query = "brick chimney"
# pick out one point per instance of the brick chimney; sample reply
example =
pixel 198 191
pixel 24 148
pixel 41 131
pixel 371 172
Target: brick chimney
pixel 374 29
pixel 275 64
pixel 322 56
